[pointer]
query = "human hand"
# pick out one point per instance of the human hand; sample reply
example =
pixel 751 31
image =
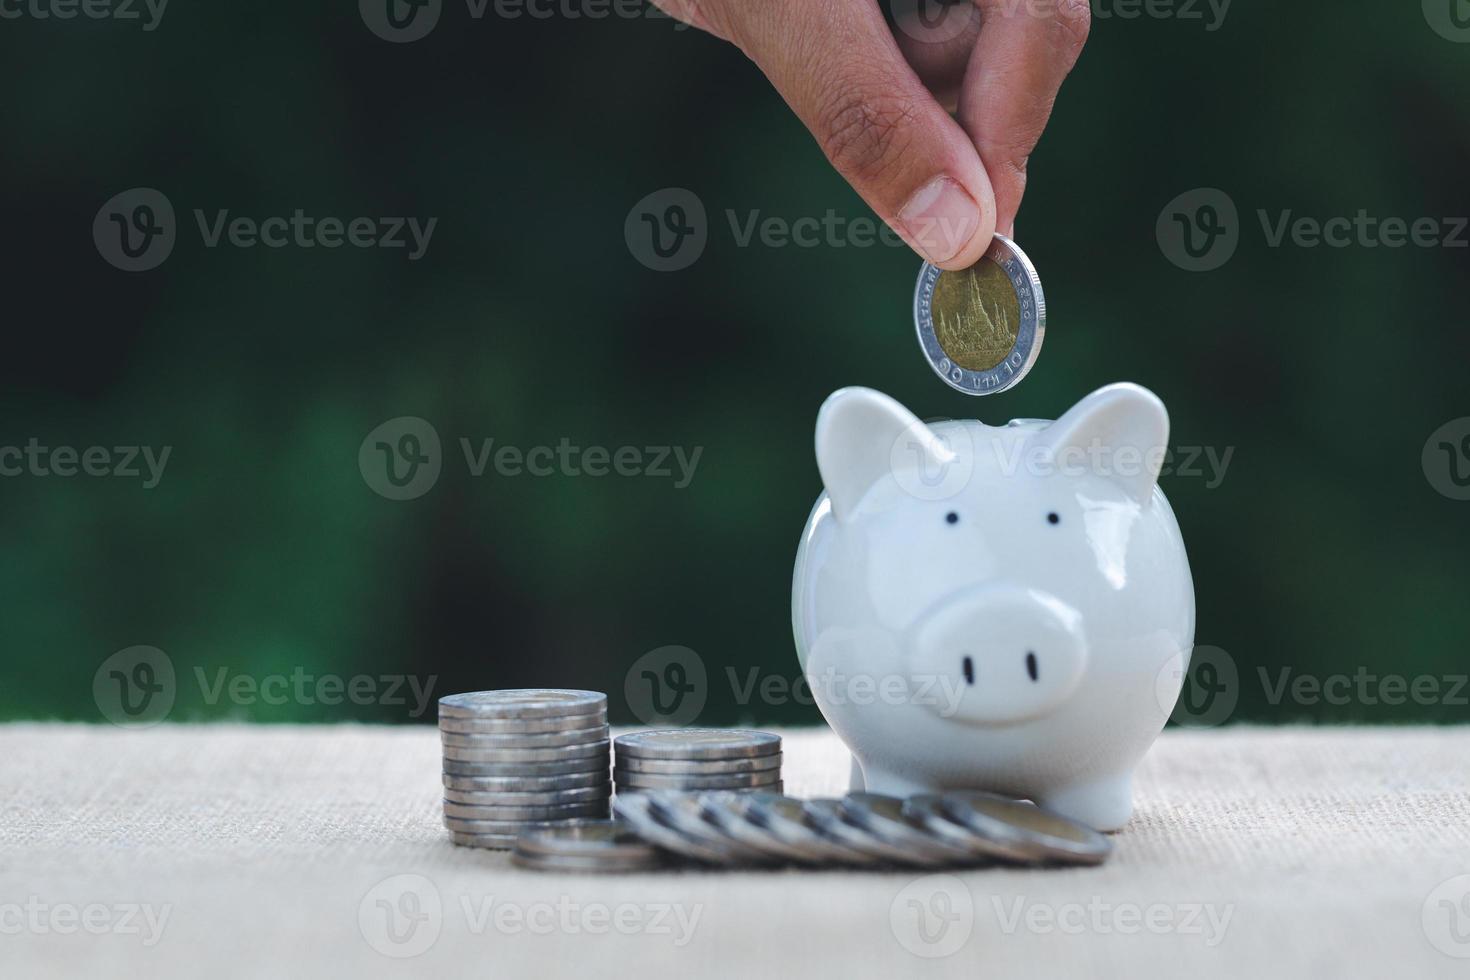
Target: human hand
pixel 876 99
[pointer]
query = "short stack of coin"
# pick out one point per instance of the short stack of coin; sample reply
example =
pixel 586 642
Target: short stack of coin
pixel 697 759
pixel 520 758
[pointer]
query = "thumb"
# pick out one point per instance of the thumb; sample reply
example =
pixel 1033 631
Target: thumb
pixel 836 64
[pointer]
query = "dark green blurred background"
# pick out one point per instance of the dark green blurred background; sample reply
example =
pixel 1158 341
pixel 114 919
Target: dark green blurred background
pixel 1325 549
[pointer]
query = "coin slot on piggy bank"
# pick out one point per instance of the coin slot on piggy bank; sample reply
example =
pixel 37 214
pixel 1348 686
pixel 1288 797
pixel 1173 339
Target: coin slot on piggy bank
pixel 993 607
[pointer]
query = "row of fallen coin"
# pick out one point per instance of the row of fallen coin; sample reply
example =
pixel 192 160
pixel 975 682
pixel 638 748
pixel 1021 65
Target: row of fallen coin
pixel 754 829
pixel 520 758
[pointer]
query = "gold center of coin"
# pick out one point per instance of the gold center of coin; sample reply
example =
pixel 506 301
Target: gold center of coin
pixel 976 315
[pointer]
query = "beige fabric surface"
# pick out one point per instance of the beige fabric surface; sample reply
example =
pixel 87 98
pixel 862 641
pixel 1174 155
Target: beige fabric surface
pixel 261 852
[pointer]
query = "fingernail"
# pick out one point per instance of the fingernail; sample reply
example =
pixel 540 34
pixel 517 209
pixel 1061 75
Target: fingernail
pixel 940 218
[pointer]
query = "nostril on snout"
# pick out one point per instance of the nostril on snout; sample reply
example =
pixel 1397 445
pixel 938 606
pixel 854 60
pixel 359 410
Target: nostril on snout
pixel 969 668
pixel 1031 664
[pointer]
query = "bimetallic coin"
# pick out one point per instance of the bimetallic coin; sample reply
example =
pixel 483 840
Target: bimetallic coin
pixel 883 817
pixel 998 845
pixel 599 779
pixel 585 845
pixel 735 780
pixel 826 816
pixel 495 842
pixel 637 811
pixel 522 703
pixel 553 811
pixel 544 740
pixel 981 328
pixel 786 819
pixel 561 753
pixel 726 812
pixel 689 767
pixel 1038 833
pixel 698 744
pixel 521 726
pixel 537 770
pixel 561 796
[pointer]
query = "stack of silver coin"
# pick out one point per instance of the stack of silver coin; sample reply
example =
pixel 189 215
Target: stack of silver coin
pixel 863 830
pixel 520 758
pixel 696 759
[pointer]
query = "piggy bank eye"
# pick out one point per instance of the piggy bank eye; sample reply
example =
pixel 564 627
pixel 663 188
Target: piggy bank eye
pixel 1053 518
pixel 951 518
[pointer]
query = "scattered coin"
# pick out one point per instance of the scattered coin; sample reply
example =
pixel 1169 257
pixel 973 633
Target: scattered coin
pixel 826 816
pixel 1035 832
pixel 590 845
pixel 522 703
pixel 981 328
pixel 786 819
pixel 727 813
pixel 883 817
pixel 698 744
pixel 684 814
pixel 637 811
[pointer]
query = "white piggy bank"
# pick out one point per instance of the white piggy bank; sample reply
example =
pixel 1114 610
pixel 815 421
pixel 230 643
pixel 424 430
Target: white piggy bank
pixel 998 608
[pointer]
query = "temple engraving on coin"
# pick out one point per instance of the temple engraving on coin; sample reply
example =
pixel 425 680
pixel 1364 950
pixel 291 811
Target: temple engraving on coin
pixel 976 316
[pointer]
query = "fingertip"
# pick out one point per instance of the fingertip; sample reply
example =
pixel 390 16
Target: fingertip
pixel 947 224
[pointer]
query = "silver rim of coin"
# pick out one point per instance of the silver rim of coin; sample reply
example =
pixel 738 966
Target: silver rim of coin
pixel 701 744
pixel 540 740
pixel 585 845
pixel 747 780
pixel 492 842
pixel 685 767
pixel 584 795
pixel 521 726
pixel 684 813
pixel 528 784
pixel 498 813
pixel 826 815
pixel 562 753
pixel 726 812
pixel 522 703
pixel 1029 332
pixel 500 770
pixel 1033 833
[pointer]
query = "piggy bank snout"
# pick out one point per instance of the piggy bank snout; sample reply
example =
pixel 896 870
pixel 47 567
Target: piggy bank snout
pixel 1004 654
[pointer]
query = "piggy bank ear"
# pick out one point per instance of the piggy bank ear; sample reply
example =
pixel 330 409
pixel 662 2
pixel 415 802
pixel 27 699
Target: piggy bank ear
pixel 857 432
pixel 1119 432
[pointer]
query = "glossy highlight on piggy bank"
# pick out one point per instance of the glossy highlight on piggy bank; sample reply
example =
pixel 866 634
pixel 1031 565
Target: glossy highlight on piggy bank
pixel 1004 608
